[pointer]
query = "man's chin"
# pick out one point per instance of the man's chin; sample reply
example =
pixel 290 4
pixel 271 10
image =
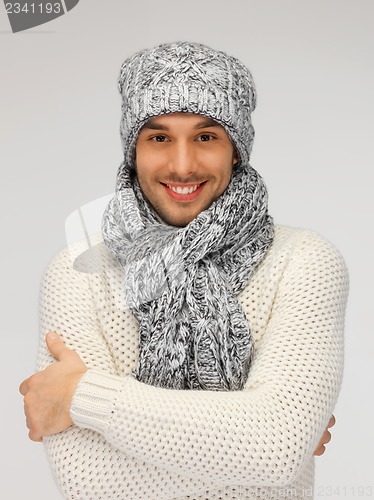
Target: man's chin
pixel 177 220
pixel 179 214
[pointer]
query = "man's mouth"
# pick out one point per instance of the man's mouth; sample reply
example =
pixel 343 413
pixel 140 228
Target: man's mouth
pixel 184 192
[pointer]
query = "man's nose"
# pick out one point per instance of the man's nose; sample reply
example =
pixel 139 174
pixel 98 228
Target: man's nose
pixel 183 160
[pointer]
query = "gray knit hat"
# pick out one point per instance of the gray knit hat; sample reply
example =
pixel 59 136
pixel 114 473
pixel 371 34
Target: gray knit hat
pixel 191 78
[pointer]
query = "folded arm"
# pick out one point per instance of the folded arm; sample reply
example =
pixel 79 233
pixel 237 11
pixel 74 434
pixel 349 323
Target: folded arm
pixel 262 435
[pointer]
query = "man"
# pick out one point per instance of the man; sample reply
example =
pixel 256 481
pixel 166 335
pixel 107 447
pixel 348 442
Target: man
pixel 204 358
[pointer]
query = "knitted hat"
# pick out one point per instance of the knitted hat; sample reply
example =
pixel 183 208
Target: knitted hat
pixel 190 78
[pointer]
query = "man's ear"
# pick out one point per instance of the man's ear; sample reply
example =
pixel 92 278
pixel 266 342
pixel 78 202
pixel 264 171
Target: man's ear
pixel 235 157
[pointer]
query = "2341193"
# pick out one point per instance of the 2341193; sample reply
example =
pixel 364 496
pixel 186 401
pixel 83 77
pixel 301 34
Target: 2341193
pixel 33 8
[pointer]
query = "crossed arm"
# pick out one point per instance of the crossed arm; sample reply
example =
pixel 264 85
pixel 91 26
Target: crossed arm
pixel 48 394
pixel 296 373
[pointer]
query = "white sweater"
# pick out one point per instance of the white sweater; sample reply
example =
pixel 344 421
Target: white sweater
pixel 134 441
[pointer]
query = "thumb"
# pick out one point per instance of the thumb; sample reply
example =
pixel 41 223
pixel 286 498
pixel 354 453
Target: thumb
pixel 56 345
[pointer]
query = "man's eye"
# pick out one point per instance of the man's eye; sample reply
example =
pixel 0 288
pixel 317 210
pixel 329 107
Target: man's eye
pixel 159 138
pixel 205 137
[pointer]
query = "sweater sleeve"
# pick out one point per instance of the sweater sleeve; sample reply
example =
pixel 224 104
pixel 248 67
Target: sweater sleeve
pixel 263 435
pixel 83 462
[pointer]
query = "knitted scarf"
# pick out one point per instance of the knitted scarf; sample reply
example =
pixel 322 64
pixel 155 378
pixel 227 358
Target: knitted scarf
pixel 181 283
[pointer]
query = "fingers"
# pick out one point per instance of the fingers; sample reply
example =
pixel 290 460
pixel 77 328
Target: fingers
pixel 35 437
pixel 34 432
pixel 319 451
pixel 23 388
pixel 321 448
pixel 56 346
pixel 326 437
pixel 332 422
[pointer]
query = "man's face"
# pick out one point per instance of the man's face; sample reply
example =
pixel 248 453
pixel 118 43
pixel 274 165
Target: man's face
pixel 184 162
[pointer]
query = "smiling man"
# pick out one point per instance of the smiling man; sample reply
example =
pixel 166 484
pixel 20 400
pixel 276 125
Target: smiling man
pixel 183 163
pixel 205 358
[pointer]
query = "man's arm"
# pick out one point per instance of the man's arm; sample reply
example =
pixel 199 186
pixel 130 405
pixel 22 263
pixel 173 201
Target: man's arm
pixel 264 434
pixel 48 394
pixel 225 437
pixel 84 464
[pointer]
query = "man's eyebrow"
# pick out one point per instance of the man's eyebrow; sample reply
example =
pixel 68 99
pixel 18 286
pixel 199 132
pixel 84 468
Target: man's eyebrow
pixel 155 126
pixel 208 122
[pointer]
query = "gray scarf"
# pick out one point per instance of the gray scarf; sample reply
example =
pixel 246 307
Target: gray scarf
pixel 181 283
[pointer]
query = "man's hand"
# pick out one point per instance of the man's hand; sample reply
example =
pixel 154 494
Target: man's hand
pixel 48 394
pixel 326 437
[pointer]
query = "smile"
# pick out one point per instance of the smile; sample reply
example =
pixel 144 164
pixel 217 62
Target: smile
pixel 183 192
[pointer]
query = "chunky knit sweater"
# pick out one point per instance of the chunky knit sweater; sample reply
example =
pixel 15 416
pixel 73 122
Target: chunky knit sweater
pixel 134 441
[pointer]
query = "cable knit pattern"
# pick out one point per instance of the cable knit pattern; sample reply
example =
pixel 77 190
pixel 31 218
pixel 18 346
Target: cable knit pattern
pixel 189 78
pixel 135 441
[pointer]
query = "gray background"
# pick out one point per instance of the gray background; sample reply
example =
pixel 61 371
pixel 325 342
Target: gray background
pixel 60 149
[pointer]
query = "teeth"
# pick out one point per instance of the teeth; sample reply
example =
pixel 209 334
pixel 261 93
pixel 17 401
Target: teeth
pixel 184 190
